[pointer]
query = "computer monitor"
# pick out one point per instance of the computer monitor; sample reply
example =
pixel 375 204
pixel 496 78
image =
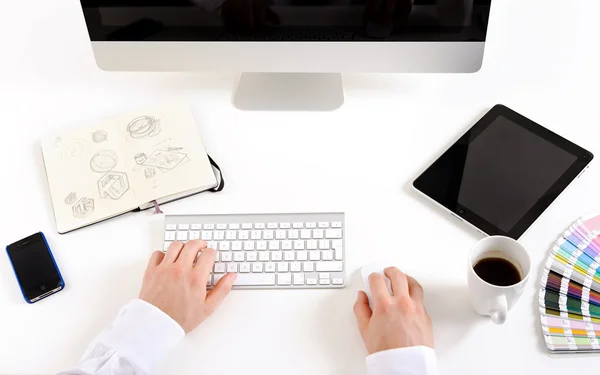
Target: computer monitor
pixel 275 43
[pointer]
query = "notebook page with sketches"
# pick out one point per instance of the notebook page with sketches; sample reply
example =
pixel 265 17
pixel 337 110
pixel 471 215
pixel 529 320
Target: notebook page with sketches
pixel 123 163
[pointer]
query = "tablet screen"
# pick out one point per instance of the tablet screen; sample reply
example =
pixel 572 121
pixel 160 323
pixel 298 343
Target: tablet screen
pixel 502 172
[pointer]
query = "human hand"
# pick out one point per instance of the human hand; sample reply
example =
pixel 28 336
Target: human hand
pixel 247 15
pixel 398 320
pixel 175 282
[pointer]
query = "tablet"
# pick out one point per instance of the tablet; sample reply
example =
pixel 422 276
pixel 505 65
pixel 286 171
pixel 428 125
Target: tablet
pixel 503 173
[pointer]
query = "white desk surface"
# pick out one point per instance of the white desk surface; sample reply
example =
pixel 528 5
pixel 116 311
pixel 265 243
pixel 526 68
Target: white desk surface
pixel 541 59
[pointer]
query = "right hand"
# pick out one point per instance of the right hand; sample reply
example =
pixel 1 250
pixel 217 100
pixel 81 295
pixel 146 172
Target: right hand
pixel 176 283
pixel 398 320
pixel 247 15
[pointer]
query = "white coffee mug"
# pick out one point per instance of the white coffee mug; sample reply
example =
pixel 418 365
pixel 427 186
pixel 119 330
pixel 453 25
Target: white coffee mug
pixel 494 300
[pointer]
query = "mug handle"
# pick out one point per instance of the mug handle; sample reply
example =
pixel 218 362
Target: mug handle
pixel 499 310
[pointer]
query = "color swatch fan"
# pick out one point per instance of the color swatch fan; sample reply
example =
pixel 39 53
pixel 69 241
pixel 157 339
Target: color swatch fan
pixel 570 290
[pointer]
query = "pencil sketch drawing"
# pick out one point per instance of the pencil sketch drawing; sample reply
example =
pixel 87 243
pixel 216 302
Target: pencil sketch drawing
pixel 143 126
pixel 103 161
pixel 83 207
pixel 113 185
pixel 166 160
pixel 140 158
pixel 73 149
pixel 99 136
pixel 149 172
pixel 71 198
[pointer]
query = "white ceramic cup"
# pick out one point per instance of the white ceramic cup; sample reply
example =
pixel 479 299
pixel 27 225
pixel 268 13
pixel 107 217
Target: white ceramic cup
pixel 493 300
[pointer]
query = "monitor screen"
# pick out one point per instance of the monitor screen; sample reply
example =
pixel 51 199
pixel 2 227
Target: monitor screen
pixel 287 20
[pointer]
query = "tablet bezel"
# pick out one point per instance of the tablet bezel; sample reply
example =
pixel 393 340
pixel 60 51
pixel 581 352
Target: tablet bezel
pixel 583 159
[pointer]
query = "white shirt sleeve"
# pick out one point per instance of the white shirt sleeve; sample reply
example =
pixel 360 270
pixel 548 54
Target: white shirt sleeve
pixel 134 344
pixel 416 360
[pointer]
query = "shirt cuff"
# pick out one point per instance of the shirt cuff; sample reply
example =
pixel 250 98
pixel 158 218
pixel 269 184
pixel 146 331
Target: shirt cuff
pixel 142 333
pixel 416 360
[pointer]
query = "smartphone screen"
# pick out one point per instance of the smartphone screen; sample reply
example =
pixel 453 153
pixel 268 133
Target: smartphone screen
pixel 34 267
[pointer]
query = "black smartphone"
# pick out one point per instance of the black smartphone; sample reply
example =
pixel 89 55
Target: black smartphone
pixel 35 268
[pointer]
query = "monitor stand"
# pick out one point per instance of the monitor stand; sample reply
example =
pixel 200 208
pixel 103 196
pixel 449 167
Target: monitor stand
pixel 289 92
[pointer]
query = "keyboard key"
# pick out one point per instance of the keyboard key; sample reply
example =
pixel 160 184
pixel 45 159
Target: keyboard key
pixel 284 279
pixel 305 234
pixel 323 224
pixel 248 245
pixel 296 267
pixel 286 245
pixel 182 236
pixel 298 245
pixel 218 235
pixel 234 226
pixel 329 266
pixel 231 235
pixel 311 225
pixel 311 244
pixel 263 257
pixel 196 226
pixel 221 226
pixel 171 227
pixel 308 266
pixel 194 235
pixel 314 255
pixel 299 279
pixel 293 234
pixel 324 275
pixel 206 236
pixel 251 256
pixel 236 245
pixel 183 226
pixel 232 267
pixel 283 267
pixel 209 280
pixel 336 224
pixel 261 245
pixel 272 225
pixel 244 267
pixel 247 226
pixel 255 279
pixel 327 255
pixel 269 267
pixel 259 225
pixel 166 245
pixel 274 245
pixel 243 235
pixel 324 244
pixel 336 245
pixel 288 255
pixel 212 244
pixel 280 234
pixel 255 234
pixel 333 233
pixel 267 234
pixel 224 245
pixel 276 256
pixel 311 281
pixel 302 255
pixel 226 257
pixel 297 225
pixel 170 236
pixel 257 267
pixel 219 267
pixel 324 282
pixel 337 281
pixel 284 225
pixel 209 226
pixel 317 233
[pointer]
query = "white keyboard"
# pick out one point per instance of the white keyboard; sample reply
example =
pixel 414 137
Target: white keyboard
pixel 269 250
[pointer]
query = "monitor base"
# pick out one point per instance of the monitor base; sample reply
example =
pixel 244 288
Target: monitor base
pixel 289 92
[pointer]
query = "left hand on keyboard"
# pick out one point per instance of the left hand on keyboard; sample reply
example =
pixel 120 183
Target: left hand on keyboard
pixel 175 282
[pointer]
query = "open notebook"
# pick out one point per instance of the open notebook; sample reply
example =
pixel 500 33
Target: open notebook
pixel 124 164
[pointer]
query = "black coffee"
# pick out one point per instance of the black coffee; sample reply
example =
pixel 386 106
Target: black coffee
pixel 497 271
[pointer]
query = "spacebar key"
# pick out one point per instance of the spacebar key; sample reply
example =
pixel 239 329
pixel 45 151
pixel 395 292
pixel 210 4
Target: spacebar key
pixel 255 279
